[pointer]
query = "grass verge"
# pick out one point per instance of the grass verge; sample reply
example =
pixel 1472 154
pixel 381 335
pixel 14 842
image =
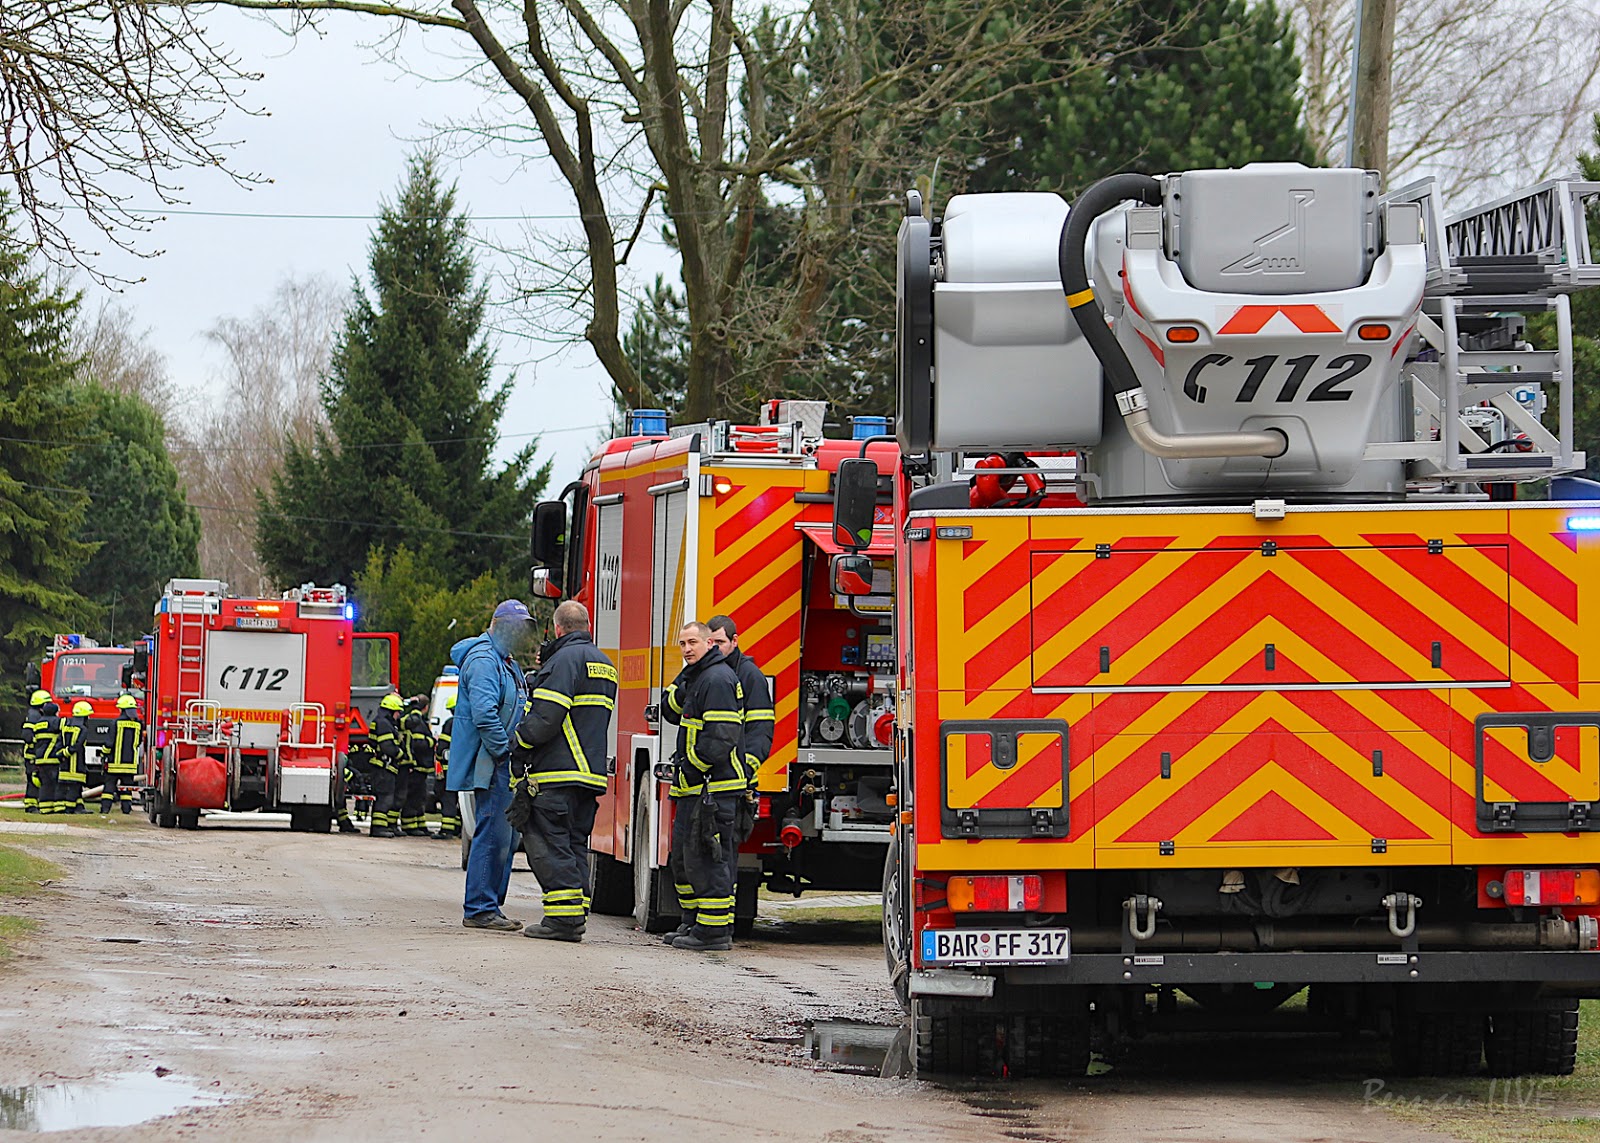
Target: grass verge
pixel 21 874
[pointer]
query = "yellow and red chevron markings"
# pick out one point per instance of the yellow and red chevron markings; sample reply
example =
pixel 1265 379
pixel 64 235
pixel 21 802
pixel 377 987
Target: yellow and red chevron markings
pixel 1293 705
pixel 751 560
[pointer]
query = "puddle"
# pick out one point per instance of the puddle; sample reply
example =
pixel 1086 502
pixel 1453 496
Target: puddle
pixel 112 1101
pixel 859 1048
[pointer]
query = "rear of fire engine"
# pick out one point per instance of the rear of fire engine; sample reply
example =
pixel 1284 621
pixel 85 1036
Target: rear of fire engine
pixel 248 707
pixel 665 527
pixel 1239 655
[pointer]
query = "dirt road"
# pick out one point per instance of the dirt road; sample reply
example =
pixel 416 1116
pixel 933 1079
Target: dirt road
pixel 325 988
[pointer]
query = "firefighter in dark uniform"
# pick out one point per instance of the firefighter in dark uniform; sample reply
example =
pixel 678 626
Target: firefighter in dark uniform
pixel 387 748
pixel 74 771
pixel 358 770
pixel 349 775
pixel 559 767
pixel 32 723
pixel 709 778
pixel 122 760
pixel 755 737
pixel 449 800
pixel 416 765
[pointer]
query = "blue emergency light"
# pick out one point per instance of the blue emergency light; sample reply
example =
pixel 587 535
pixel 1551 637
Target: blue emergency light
pixel 1583 523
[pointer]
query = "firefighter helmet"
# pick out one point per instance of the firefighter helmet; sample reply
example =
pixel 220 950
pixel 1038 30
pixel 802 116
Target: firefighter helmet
pixel 39 698
pixel 81 708
pixel 127 702
pixel 450 703
pixel 391 702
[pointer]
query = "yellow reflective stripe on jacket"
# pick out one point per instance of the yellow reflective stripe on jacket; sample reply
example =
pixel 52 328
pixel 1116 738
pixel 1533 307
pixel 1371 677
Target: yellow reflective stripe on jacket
pixel 764 715
pixel 595 700
pixel 550 696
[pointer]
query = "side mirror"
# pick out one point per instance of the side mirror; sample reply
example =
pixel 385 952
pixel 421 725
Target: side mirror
pixel 855 502
pixel 852 575
pixel 548 546
pixel 30 676
pixel 540 586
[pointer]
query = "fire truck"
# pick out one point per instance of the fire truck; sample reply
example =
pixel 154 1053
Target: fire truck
pixel 671 526
pixel 1238 651
pixel 248 706
pixel 78 669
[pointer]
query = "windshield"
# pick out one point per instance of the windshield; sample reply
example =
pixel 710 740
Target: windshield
pixel 369 665
pixel 90 676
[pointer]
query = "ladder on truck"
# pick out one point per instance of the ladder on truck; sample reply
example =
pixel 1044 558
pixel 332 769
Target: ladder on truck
pixel 1478 392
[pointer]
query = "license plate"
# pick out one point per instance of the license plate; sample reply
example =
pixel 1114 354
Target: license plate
pixel 257 623
pixel 995 946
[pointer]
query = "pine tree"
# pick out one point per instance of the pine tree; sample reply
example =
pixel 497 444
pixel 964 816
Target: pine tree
pixel 412 413
pixel 42 547
pixel 146 530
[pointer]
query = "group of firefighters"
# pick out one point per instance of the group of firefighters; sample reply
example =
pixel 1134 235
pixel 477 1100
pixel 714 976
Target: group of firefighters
pixel 396 757
pixel 55 753
pixel 722 706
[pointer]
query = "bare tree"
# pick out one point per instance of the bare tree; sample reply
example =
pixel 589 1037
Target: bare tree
pixel 706 108
pixel 275 360
pixel 99 97
pixel 1487 94
pixel 117 354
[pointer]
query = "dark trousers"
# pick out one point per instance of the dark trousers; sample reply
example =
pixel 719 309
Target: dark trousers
pixel 413 798
pixel 704 876
pixel 557 843
pixel 118 787
pixel 45 774
pixel 30 786
pixel 384 813
pixel 69 792
pixel 449 811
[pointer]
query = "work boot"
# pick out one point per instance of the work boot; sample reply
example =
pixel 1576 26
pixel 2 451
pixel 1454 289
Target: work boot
pixel 383 831
pixel 449 835
pixel 701 941
pixel 105 807
pixel 571 934
pixel 492 922
pixel 30 809
pixel 416 833
pixel 348 827
pixel 127 807
pixel 681 931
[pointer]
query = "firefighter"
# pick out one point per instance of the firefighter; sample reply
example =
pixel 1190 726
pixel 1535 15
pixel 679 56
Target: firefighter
pixel 755 736
pixel 417 760
pixel 73 772
pixel 559 769
pixel 449 800
pixel 358 773
pixel 348 774
pixel 387 748
pixel 123 761
pixel 709 779
pixel 32 723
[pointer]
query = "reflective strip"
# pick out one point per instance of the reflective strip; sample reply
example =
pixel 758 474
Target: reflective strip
pixel 760 716
pixel 595 700
pixel 551 696
pixel 574 910
pixel 602 671
pixel 559 777
pixel 723 716
pixel 670 697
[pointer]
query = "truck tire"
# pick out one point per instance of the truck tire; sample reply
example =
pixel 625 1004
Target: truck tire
pixel 1542 1042
pixel 1437 1043
pixel 611 885
pixel 650 886
pixel 1052 1044
pixel 189 819
pixel 162 814
pixel 896 950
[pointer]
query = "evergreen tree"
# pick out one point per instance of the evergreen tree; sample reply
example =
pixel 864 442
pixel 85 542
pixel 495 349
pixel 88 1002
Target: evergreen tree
pixel 412 413
pixel 42 545
pixel 146 531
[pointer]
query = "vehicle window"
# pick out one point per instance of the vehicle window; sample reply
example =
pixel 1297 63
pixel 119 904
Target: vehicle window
pixel 90 676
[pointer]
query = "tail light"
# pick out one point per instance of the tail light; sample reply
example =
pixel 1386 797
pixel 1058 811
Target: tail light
pixel 1552 886
pixel 1018 893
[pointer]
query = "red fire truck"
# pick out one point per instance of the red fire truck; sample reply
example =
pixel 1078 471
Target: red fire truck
pixel 248 706
pixel 78 669
pixel 1279 682
pixel 731 519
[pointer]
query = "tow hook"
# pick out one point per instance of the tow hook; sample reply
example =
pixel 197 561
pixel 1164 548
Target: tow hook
pixel 1394 902
pixel 1138 904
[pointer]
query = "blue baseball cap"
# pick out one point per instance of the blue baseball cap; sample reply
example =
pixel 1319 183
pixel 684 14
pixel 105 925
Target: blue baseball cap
pixel 512 609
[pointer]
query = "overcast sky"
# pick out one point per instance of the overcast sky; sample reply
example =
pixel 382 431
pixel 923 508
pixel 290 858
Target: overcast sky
pixel 342 123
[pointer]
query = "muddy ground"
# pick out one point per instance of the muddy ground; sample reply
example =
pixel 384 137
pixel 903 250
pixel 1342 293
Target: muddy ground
pixel 325 987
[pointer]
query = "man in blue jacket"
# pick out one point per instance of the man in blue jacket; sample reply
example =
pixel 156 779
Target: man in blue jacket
pixel 489 702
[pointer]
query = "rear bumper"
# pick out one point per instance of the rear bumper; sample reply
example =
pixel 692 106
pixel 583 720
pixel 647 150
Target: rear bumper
pixel 1569 973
